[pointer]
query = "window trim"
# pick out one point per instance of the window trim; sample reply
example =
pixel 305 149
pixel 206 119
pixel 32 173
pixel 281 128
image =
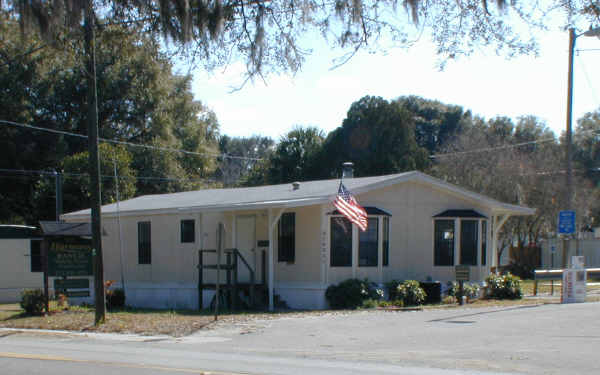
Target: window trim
pixel 376 241
pixel 457 243
pixel 380 240
pixel 331 242
pixel 181 231
pixel 286 255
pixel 40 262
pixel 142 257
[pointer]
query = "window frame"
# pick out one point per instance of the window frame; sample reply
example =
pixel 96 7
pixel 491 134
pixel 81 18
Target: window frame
pixel 331 247
pixel 144 247
pixel 381 241
pixel 472 248
pixel 452 254
pixel 385 241
pixel 36 263
pixel 480 245
pixel 286 238
pixel 368 231
pixel 184 234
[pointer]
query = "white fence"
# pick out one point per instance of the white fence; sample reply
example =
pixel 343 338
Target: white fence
pixel 589 248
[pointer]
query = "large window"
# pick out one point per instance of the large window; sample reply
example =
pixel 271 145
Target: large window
pixel 188 234
pixel 444 243
pixel 36 256
pixel 286 240
pixel 341 242
pixel 368 244
pixel 144 244
pixel 483 242
pixel 468 242
pixel 386 241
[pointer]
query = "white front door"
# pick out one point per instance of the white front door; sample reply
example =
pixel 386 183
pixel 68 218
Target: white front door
pixel 245 242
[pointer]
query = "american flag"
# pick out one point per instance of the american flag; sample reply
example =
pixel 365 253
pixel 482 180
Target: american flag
pixel 349 207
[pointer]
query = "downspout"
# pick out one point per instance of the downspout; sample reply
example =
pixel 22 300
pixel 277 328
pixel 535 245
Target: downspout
pixel 498 224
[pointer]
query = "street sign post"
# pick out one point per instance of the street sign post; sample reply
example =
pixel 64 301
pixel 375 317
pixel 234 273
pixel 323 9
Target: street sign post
pixel 566 222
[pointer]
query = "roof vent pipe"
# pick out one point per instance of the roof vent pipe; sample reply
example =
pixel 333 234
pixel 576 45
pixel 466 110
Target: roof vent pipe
pixel 348 170
pixel 295 185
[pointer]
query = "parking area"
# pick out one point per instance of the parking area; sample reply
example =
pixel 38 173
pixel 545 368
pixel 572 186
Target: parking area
pixel 538 339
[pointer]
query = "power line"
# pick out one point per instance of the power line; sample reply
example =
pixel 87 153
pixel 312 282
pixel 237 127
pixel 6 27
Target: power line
pixel 68 174
pixel 492 148
pixel 114 141
pixel 508 146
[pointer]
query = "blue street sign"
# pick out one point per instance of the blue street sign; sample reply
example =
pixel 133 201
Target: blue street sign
pixel 566 222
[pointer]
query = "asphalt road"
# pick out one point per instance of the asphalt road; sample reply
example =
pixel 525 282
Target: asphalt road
pixel 548 339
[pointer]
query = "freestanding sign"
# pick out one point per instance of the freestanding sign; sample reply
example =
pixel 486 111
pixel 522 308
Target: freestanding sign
pixel 566 222
pixel 70 259
pixel 574 282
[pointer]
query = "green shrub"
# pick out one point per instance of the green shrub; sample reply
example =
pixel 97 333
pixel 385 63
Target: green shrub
pixel 411 293
pixel 392 288
pixel 449 300
pixel 33 301
pixel 370 303
pixel 115 299
pixel 471 290
pixel 433 291
pixel 505 286
pixel 351 293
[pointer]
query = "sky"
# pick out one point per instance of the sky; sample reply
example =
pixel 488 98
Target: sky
pixel 487 84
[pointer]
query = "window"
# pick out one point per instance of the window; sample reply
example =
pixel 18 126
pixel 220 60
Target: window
pixel 144 245
pixel 386 241
pixel 36 256
pixel 341 242
pixel 444 243
pixel 188 234
pixel 368 244
pixel 286 240
pixel 483 242
pixel 468 242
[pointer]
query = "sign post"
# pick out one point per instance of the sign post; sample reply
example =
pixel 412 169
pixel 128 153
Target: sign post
pixel 566 227
pixel 462 275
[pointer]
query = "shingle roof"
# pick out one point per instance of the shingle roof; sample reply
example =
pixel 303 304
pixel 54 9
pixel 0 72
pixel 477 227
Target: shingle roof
pixel 460 213
pixel 310 192
pixel 59 228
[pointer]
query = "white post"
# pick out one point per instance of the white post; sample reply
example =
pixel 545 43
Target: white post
pixel 271 279
pixel 354 249
pixel 456 241
pixel 324 257
pixel 380 247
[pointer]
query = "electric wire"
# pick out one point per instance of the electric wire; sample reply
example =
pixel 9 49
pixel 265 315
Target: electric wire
pixel 131 144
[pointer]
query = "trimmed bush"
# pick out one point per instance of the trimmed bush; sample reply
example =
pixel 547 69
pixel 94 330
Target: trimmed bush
pixel 411 293
pixel 471 290
pixel 392 288
pixel 449 300
pixel 351 293
pixel 33 301
pixel 433 291
pixel 506 286
pixel 115 299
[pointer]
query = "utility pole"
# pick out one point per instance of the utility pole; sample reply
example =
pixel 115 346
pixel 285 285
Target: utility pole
pixel 59 195
pixel 569 140
pixel 569 136
pixel 90 52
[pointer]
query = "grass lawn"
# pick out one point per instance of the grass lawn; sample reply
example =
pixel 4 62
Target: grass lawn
pixel 179 323
pixel 545 286
pixel 174 323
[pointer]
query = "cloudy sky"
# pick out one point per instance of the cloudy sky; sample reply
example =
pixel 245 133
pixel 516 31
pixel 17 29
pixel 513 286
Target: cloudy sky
pixel 487 84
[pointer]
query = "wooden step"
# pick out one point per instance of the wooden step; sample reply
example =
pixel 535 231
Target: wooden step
pixel 214 266
pixel 240 286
